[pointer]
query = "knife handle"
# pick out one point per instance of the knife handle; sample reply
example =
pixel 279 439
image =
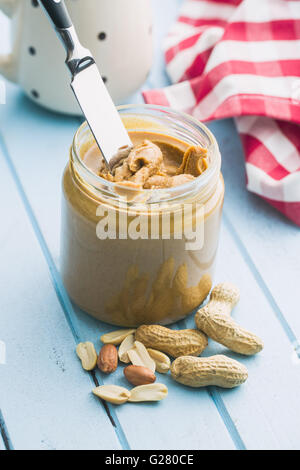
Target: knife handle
pixel 78 57
pixel 58 13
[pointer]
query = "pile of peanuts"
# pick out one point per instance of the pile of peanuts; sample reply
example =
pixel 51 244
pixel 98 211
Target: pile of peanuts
pixel 147 350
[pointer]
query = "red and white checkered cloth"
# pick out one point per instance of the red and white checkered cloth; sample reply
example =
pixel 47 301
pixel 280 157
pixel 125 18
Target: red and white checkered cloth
pixel 233 58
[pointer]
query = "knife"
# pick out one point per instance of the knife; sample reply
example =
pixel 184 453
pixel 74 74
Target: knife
pixel 96 104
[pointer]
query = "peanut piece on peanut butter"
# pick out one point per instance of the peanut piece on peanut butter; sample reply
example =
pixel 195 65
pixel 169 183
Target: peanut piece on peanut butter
pixel 194 161
pixel 148 166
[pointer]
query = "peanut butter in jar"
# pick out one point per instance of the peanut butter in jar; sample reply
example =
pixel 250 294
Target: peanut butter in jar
pixel 139 244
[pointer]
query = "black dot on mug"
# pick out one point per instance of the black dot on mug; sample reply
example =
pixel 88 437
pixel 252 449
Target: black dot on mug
pixel 102 36
pixel 32 50
pixel 35 94
pixel 104 79
pixel 34 3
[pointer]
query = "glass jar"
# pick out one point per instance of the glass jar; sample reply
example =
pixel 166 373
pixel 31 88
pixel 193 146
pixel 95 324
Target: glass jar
pixel 132 257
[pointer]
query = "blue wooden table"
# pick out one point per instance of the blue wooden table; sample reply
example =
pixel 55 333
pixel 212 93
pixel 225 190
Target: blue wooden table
pixel 45 397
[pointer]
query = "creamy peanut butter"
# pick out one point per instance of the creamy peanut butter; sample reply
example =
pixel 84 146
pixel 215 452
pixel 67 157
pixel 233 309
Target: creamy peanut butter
pixel 129 282
pixel 150 164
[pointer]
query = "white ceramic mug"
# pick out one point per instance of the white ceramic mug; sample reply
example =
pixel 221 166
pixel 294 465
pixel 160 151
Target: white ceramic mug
pixel 118 32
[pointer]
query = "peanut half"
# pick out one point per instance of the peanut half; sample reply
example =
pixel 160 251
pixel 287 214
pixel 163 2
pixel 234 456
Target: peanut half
pixel 108 359
pixel 139 356
pixel 215 370
pixel 151 392
pixel 125 346
pixel 173 342
pixel 214 320
pixel 139 375
pixel 162 361
pixel 87 354
pixel 116 337
pixel 112 394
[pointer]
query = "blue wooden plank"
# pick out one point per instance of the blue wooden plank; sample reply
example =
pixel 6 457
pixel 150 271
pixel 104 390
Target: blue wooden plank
pixel 46 399
pixel 266 239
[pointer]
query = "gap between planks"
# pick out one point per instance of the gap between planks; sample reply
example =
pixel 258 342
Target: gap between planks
pixel 5 434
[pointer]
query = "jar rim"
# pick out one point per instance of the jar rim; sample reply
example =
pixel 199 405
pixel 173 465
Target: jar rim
pixel 97 183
